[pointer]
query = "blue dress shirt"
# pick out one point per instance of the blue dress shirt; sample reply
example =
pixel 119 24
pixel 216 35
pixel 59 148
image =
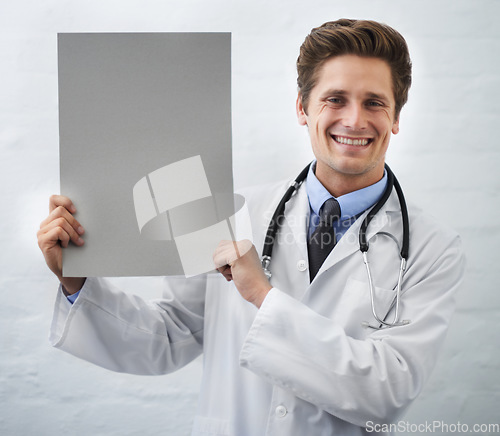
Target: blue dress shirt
pixel 352 204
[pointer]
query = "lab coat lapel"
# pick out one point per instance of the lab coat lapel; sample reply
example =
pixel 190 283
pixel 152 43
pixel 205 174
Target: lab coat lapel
pixel 296 218
pixel 349 243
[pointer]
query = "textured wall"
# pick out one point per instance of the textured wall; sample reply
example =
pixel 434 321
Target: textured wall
pixel 446 157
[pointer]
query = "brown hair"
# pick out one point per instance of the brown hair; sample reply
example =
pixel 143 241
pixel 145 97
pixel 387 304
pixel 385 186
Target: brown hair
pixel 358 37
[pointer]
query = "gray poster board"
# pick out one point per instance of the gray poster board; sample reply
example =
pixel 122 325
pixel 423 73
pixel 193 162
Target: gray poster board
pixel 145 132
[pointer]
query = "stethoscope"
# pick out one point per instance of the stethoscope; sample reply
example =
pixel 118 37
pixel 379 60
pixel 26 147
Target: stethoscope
pixel 392 182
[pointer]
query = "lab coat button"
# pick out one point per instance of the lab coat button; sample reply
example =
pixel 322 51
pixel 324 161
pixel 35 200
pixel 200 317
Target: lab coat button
pixel 281 411
pixel 301 265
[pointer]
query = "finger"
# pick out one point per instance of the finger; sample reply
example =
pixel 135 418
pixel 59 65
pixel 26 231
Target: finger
pixel 236 251
pixel 226 272
pixel 66 227
pixel 62 212
pixel 61 200
pixel 53 237
pixel 220 256
pixel 228 252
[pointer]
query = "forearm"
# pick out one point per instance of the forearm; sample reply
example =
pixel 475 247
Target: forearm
pixel 357 380
pixel 124 333
pixel 295 348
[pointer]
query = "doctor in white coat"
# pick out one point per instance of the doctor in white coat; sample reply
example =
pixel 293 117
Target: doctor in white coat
pixel 290 356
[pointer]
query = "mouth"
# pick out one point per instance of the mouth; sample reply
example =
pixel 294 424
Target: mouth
pixel 357 142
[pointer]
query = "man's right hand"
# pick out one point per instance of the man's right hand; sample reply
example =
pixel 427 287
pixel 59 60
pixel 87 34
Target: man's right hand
pixel 56 232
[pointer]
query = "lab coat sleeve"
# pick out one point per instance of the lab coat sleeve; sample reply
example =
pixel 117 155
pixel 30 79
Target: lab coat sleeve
pixel 356 380
pixel 125 333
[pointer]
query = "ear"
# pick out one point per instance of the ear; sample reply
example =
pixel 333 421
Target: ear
pixel 301 113
pixel 395 126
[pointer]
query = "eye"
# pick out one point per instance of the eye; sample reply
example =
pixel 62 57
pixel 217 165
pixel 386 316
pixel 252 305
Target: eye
pixel 374 103
pixel 334 100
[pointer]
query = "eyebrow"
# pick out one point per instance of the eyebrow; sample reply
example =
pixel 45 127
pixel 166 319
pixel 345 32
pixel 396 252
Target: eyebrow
pixel 378 96
pixel 369 94
pixel 335 92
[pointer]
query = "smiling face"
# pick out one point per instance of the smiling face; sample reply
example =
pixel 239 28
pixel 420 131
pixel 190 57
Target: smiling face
pixel 350 116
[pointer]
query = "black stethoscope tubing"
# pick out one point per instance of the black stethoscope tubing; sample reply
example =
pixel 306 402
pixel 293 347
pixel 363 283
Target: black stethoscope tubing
pixel 279 215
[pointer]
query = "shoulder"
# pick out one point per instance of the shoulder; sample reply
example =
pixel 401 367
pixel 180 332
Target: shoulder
pixel 265 195
pixel 424 223
pixel 433 244
pixel 261 201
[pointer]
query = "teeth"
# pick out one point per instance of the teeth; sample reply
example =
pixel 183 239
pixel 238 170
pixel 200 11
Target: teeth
pixel 349 141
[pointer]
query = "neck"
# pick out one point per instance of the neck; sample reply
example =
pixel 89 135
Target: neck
pixel 339 184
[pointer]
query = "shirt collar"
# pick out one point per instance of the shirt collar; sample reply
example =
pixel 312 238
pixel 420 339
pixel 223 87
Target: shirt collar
pixel 351 204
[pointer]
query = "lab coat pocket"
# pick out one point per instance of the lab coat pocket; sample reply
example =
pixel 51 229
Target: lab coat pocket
pixel 204 426
pixel 356 308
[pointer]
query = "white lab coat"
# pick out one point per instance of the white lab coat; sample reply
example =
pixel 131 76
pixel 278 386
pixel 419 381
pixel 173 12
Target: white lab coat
pixel 302 364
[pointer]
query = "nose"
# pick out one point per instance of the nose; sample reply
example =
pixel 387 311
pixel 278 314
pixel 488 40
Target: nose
pixel 354 116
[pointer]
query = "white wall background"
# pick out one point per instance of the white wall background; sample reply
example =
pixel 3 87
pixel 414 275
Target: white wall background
pixel 447 156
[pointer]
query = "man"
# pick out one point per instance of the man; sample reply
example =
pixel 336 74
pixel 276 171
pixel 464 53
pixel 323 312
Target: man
pixel 292 356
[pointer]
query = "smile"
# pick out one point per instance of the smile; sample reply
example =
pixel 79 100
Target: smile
pixel 351 141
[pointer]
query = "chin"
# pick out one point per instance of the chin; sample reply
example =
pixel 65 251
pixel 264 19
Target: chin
pixel 350 166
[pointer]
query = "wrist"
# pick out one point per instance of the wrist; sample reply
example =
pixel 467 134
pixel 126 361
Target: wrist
pixel 259 297
pixel 71 285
